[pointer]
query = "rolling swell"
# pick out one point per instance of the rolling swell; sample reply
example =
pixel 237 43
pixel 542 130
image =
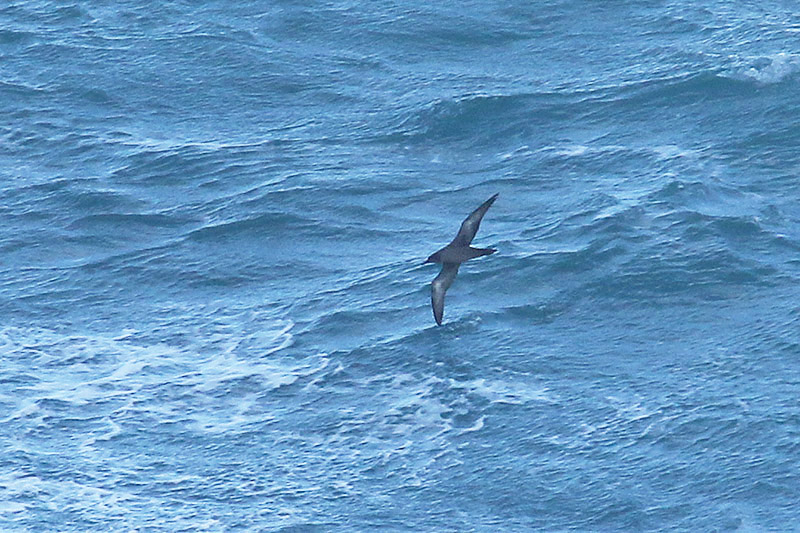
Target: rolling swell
pixel 483 117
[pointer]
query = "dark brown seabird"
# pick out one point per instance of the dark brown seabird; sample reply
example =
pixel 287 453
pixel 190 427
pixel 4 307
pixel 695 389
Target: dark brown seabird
pixel 455 253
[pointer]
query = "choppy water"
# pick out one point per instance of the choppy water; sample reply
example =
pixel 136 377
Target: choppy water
pixel 213 313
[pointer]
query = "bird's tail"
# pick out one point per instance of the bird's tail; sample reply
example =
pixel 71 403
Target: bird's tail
pixel 477 252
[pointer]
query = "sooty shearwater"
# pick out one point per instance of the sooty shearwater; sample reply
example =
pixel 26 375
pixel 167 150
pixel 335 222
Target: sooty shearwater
pixel 455 253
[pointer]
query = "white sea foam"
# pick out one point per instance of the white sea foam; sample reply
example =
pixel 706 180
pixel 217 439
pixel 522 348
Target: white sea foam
pixel 578 150
pixel 117 369
pixel 506 391
pixel 22 491
pixel 522 150
pixel 672 151
pixel 771 69
pixel 105 385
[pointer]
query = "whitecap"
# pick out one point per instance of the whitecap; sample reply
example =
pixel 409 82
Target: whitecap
pixel 771 69
pixel 477 426
pixel 212 382
pixel 505 391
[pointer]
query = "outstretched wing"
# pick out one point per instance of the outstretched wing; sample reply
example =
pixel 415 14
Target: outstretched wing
pixel 440 286
pixel 471 224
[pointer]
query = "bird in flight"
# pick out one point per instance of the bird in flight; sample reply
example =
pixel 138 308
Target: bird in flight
pixel 455 253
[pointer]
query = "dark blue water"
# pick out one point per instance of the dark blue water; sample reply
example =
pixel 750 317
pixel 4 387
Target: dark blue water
pixel 213 312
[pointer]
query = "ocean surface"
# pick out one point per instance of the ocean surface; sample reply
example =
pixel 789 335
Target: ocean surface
pixel 214 314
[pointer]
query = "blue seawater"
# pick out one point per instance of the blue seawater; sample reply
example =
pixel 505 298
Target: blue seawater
pixel 213 310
